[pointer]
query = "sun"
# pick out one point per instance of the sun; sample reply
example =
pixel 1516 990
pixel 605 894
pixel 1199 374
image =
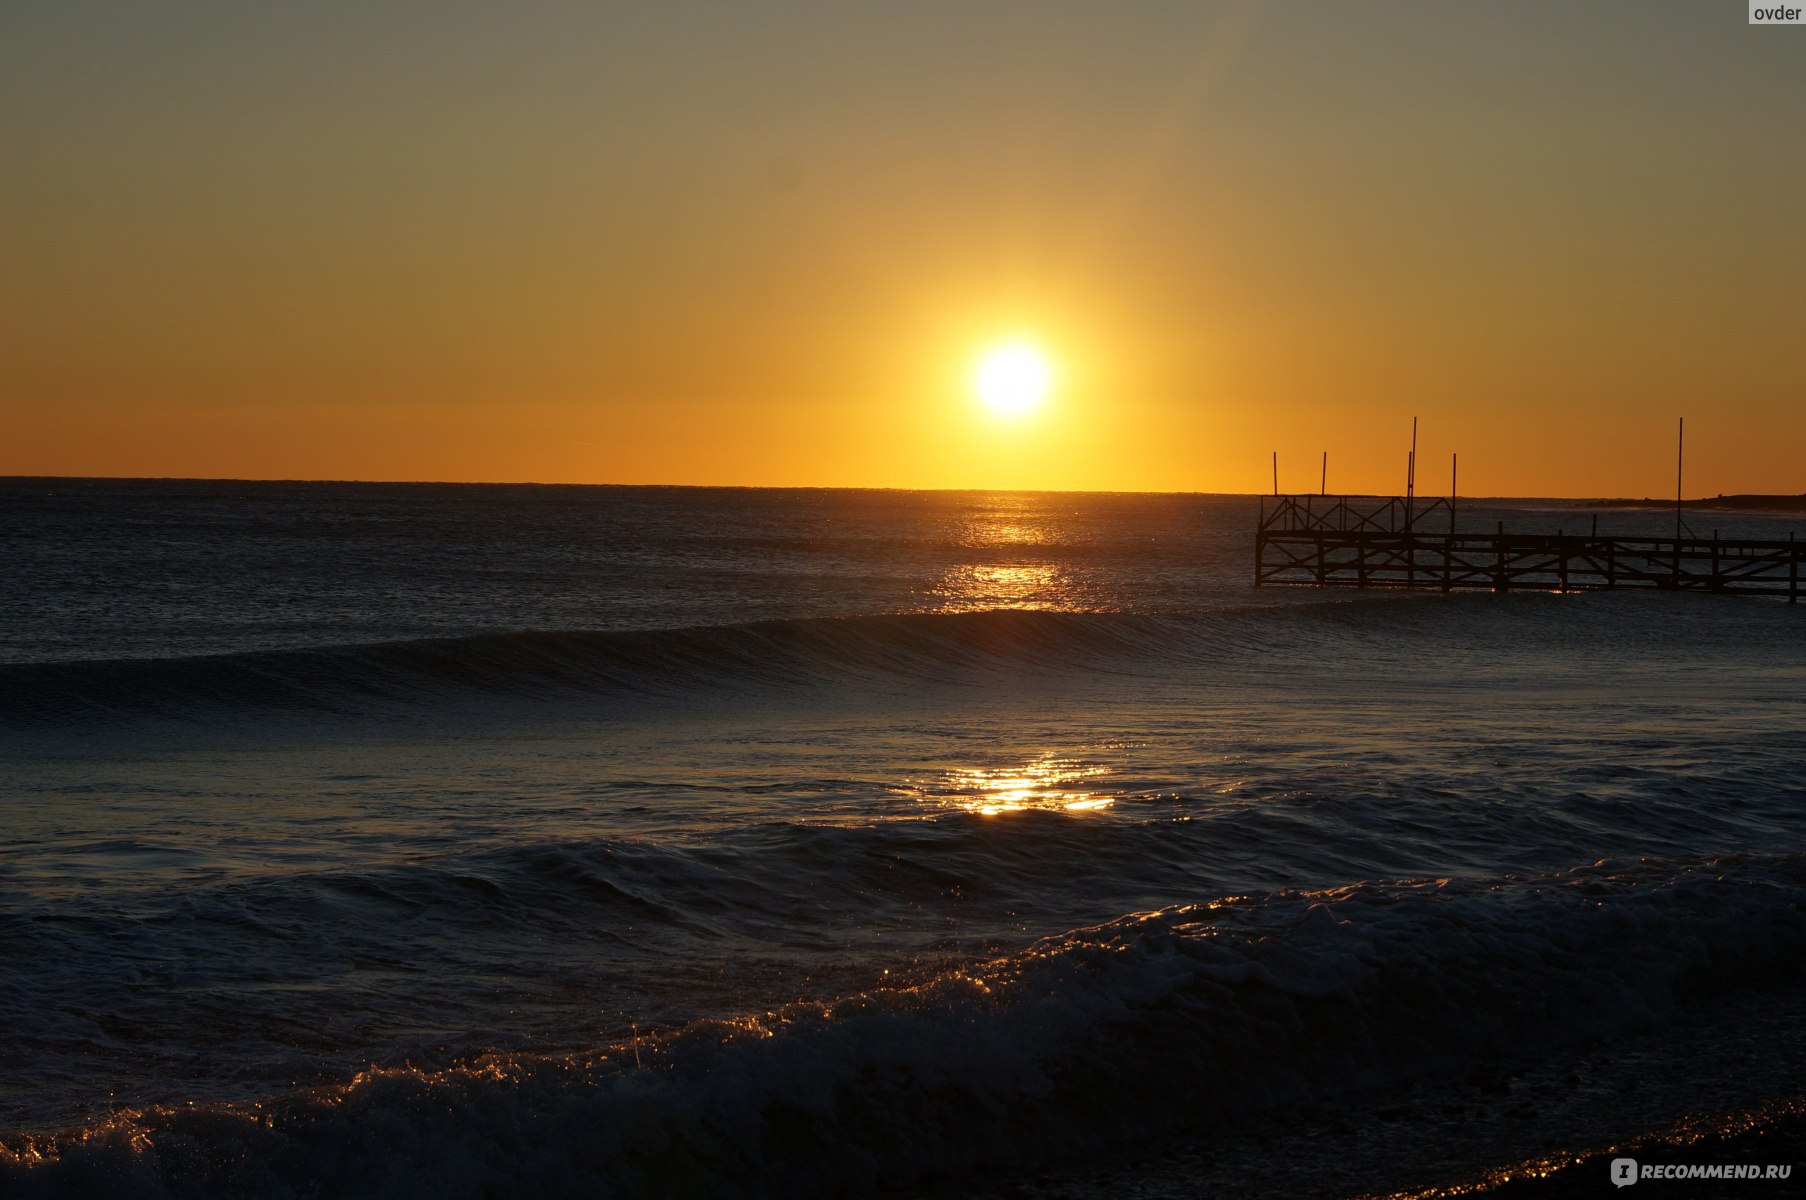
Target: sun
pixel 1013 379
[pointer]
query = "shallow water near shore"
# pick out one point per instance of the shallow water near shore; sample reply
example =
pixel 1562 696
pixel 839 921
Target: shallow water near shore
pixel 638 842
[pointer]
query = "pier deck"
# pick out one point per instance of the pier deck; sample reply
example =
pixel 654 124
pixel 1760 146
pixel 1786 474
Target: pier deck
pixel 1343 541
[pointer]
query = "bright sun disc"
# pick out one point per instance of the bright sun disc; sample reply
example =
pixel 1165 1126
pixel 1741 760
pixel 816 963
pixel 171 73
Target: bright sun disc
pixel 1013 379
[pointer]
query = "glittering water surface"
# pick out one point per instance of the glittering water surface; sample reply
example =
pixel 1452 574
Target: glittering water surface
pixel 735 822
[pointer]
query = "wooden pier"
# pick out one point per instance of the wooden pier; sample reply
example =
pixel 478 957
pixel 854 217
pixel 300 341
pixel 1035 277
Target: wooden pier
pixel 1367 541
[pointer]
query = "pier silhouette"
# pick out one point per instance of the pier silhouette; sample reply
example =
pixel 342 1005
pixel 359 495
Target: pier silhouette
pixel 1394 541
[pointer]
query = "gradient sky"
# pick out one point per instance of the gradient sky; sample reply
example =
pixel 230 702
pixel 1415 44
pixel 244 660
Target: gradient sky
pixel 763 243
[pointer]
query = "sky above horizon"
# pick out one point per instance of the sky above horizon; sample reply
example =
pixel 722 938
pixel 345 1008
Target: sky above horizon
pixel 766 243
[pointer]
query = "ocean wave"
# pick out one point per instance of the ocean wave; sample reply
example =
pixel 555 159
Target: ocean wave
pixel 1157 1020
pixel 358 679
pixel 866 651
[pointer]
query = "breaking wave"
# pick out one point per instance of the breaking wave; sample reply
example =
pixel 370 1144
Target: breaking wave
pixel 1186 1015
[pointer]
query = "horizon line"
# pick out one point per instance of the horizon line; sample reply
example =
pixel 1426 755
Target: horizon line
pixel 787 487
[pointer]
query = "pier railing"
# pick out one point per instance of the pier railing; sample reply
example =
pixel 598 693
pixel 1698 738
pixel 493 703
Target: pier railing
pixel 1319 541
pixel 1352 514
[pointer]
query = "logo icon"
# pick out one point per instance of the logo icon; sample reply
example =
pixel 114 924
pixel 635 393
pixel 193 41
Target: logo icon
pixel 1624 1172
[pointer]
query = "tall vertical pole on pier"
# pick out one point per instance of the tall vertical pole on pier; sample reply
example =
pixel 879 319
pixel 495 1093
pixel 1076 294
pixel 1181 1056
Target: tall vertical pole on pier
pixel 1411 477
pixel 1680 458
pixel 1448 551
pixel 1276 472
pixel 1323 486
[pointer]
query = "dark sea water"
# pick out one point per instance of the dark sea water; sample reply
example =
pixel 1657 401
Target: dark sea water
pixel 464 841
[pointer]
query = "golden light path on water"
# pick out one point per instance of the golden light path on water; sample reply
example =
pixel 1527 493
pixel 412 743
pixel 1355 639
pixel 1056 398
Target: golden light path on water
pixel 1015 535
pixel 1050 781
pixel 1047 782
pixel 977 588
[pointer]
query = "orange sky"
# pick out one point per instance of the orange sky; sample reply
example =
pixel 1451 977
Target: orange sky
pixel 764 244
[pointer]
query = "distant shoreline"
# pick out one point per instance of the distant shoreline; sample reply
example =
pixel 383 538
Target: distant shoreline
pixel 1739 503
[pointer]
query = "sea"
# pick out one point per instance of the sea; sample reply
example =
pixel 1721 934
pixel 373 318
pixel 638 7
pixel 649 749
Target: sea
pixel 461 841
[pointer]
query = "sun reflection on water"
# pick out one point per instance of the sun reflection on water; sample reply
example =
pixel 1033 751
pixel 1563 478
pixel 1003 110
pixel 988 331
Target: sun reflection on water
pixel 1015 552
pixel 1029 585
pixel 1047 782
pixel 989 530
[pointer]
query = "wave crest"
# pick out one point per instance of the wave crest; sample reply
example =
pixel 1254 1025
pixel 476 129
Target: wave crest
pixel 388 676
